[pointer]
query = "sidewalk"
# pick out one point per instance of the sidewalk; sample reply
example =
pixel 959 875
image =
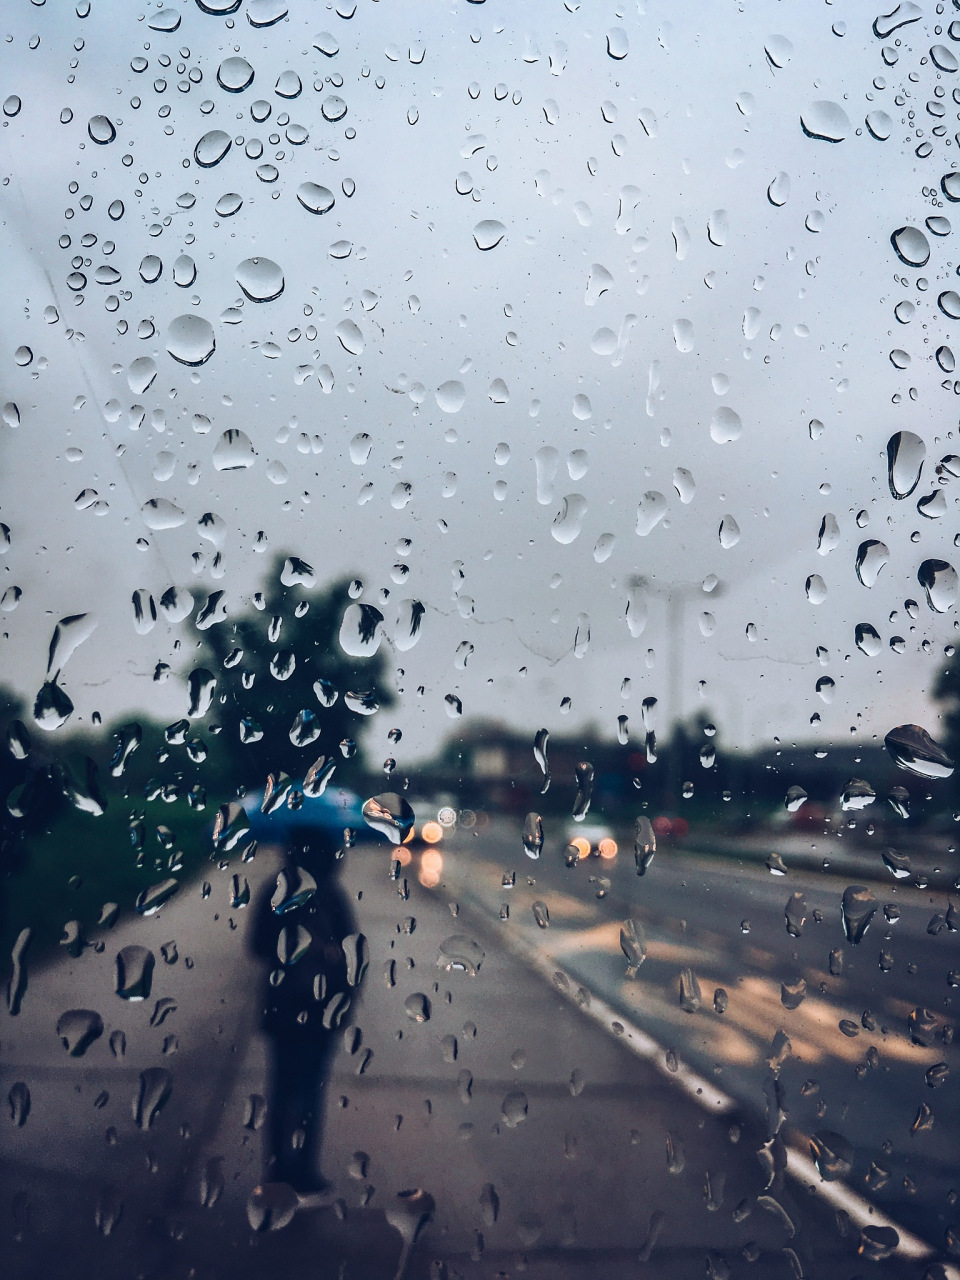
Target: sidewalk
pixel 506 1086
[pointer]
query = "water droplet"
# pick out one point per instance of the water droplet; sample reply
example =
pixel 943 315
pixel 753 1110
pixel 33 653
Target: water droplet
pixel 618 46
pixel 644 844
pixel 260 279
pixel 725 425
pixel 315 198
pixel 149 901
pixel 599 282
pixel 161 513
pixel 879 125
pixel 729 533
pixel 867 639
pixel 151 268
pixel 940 584
pixel 417 1007
pixel 911 246
pixel 898 864
pixel 295 886
pixel 356 951
pixel 18 1099
pixel 78 1029
pixel 488 234
pixel 135 965
pixel 141 373
pixel 778 193
pixel 899 16
pixel 109 1207
pixel 568 521
pixel 905 457
pixel 255 1112
pixel 106 274
pixel 409 624
pixel 832 1154
pixel 350 337
pixel 283 664
pixel 293 943
pixel 361 630
pixel 949 303
pixel 779 51
pixel 633 944
pixel 391 815
pixel 683 335
pixel 460 953
pixel 913 749
pixel 650 511
pixel 272 1206
pixel 604 547
pixel 603 342
pixel 101 130
pixel 451 395
pixel 165 20
pixel 156 1084
pixel 794 799
pixel 18 740
pixel 871 557
pixel 333 108
pixel 190 340
pixel 533 835
pixel 825 121
pixel 318 775
pixel 228 204
pixel 234 74
pixel 541 914
pixel 857 794
pixel 583 775
pixel 52 707
pixel 514 1108
pixel 944 59
pixel 211 148
pixel 681 238
pixel 234 451
pixel 857 909
pixel 690 995
pixel 68 635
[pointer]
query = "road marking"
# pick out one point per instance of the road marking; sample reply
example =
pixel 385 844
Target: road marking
pixel 799 1164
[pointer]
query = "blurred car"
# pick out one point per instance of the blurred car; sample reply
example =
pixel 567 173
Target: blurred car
pixel 592 840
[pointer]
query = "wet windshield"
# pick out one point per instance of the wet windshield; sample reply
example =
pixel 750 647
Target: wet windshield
pixel 479 690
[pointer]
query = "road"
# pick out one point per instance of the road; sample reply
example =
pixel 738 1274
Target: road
pixel 725 921
pixel 599 1157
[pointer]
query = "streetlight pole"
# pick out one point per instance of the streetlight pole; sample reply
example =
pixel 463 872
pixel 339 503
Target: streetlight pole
pixel 676 595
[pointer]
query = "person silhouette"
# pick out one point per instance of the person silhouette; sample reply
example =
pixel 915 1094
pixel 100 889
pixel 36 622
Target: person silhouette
pixel 301 920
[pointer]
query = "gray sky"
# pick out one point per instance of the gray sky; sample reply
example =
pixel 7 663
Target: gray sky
pixel 698 119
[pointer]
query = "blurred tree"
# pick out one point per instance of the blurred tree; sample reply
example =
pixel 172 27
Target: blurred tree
pixel 283 683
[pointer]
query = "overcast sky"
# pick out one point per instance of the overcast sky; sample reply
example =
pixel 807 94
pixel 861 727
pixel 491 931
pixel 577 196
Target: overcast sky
pixel 606 324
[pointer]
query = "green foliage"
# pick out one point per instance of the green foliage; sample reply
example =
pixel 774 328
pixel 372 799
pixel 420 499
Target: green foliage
pixel 59 864
pixel 69 867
